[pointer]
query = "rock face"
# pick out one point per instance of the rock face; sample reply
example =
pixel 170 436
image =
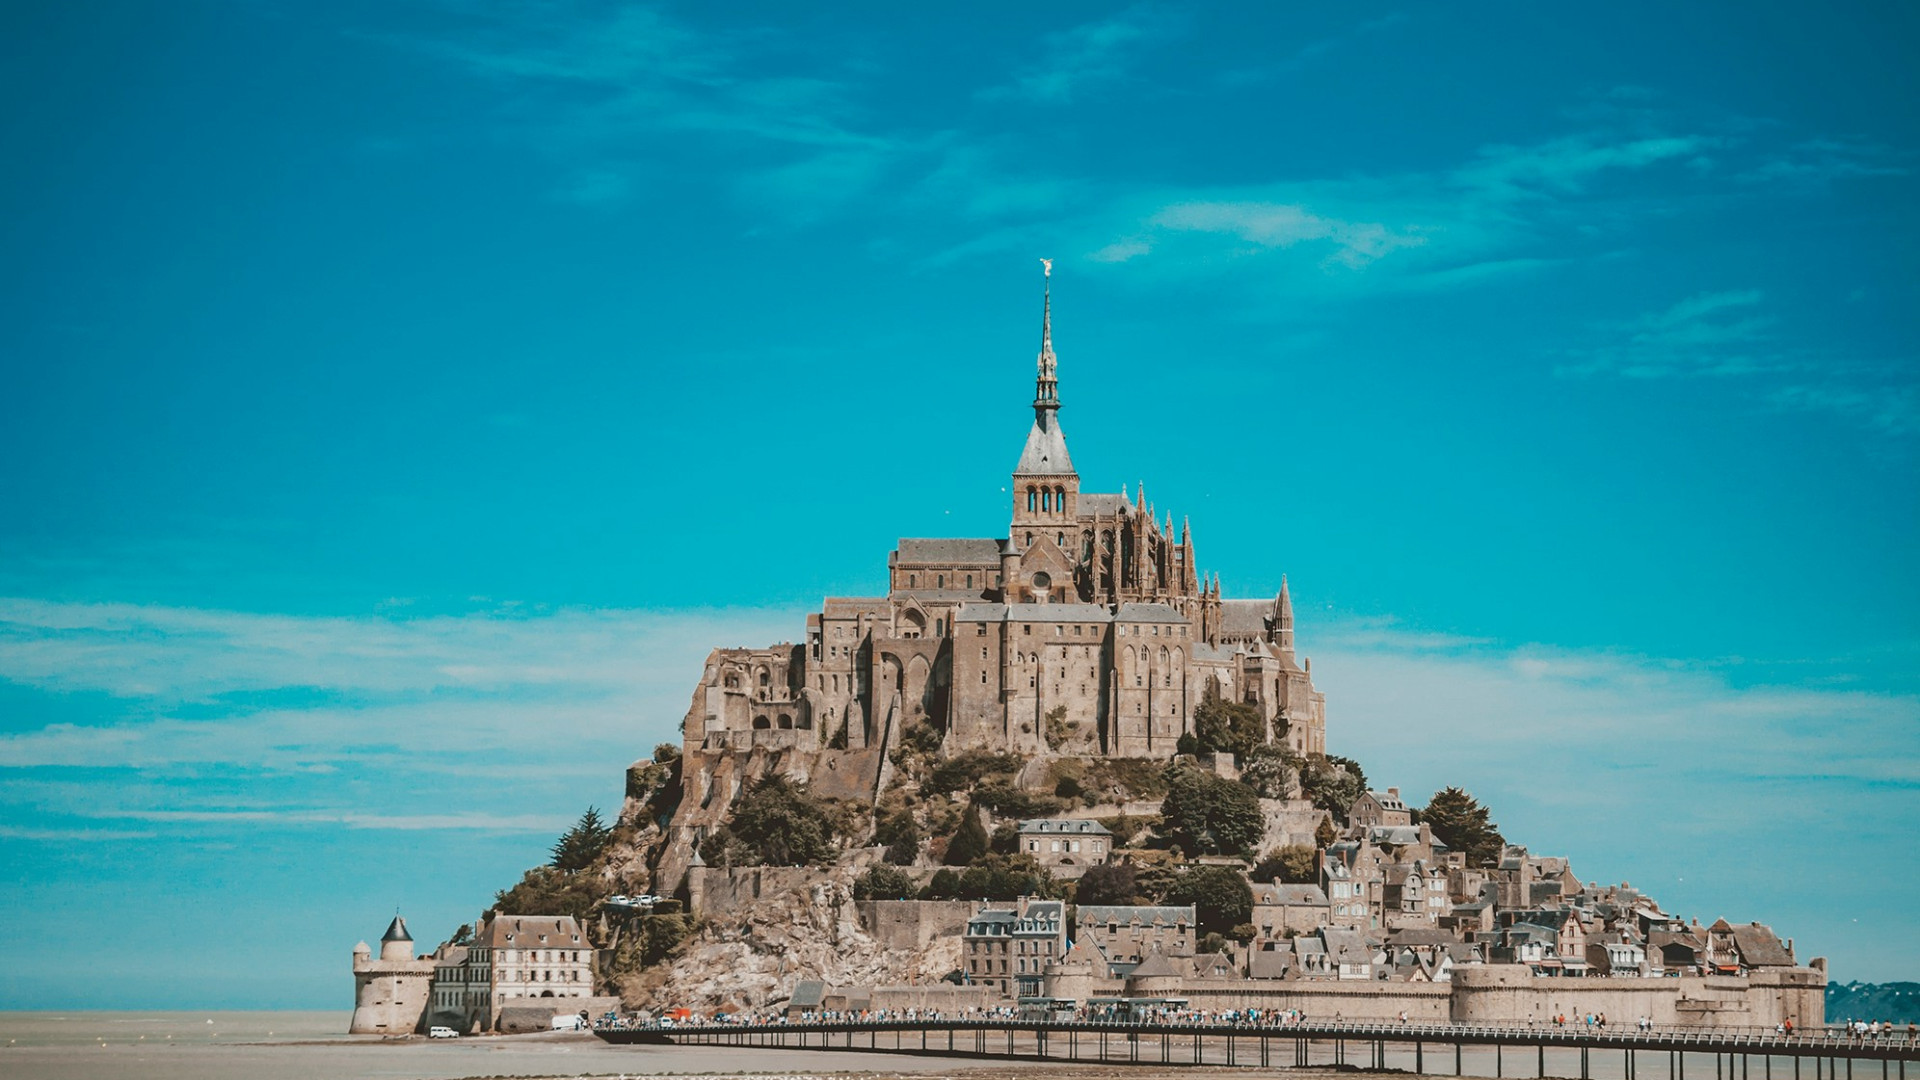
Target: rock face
pixel 751 957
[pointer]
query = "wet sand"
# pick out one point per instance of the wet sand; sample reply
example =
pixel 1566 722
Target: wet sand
pixel 311 1046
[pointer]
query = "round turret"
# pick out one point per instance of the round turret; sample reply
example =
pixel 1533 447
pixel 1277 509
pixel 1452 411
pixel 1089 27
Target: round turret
pixel 396 943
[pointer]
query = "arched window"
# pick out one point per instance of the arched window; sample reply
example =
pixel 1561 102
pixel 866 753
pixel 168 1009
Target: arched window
pixel 760 723
pixel 1046 500
pixel 1060 499
pixel 939 628
pixel 786 722
pixel 1033 499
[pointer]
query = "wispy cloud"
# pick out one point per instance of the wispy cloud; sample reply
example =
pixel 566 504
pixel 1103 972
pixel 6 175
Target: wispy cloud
pixel 1709 333
pixel 1074 61
pixel 205 717
pixel 1270 225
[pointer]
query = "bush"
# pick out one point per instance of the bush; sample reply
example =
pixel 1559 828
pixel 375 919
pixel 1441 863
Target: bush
pixel 1220 896
pixel 969 842
pixel 1295 864
pixel 545 890
pixel 1271 771
pixel 966 770
pixel 1333 782
pixel 1207 815
pixel 901 835
pixel 1112 883
pixel 1005 877
pixel 1009 801
pixel 884 882
pixel 778 823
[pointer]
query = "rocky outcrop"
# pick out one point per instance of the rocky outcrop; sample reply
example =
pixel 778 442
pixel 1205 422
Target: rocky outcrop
pixel 750 958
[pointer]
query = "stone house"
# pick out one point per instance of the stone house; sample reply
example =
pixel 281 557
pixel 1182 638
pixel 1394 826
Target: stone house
pixel 1126 934
pixel 1414 894
pixel 1282 911
pixel 1377 808
pixel 1009 948
pixel 1066 846
pixel 512 960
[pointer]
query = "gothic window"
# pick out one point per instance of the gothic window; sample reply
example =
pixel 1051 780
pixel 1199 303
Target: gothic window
pixel 1060 503
pixel 1046 501
pixel 1060 539
pixel 912 580
pixel 1033 499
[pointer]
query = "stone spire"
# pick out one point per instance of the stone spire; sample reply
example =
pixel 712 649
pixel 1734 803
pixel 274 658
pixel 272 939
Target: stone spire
pixel 1046 450
pixel 1046 389
pixel 1283 618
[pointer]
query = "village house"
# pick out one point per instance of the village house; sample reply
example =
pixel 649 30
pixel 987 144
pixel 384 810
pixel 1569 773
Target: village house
pixel 1284 911
pixel 1066 846
pixel 1126 934
pixel 1008 948
pixel 1375 808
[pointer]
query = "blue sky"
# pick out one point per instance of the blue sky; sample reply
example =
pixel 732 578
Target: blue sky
pixel 397 400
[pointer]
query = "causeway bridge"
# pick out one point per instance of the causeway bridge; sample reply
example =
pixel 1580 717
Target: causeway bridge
pixel 1424 1049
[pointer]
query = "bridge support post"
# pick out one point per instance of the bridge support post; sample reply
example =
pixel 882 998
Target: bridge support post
pixel 1498 1065
pixel 1456 1059
pixel 1542 1068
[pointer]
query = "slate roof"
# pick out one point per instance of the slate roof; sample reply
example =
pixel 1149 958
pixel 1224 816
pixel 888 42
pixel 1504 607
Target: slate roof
pixel 1148 613
pixel 1063 826
pixel 1062 613
pixel 1759 947
pixel 530 932
pixel 1245 618
pixel 807 994
pixel 1155 965
pixel 1289 896
pixel 396 931
pixel 1145 914
pixel 1104 504
pixel 915 551
pixel 1046 451
pixel 942 596
pixel 846 607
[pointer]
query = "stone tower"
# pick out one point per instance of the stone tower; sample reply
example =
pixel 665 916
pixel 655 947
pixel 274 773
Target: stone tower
pixel 1046 490
pixel 390 994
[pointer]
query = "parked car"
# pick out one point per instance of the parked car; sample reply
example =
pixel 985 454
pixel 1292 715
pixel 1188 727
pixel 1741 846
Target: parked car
pixel 438 1032
pixel 568 1022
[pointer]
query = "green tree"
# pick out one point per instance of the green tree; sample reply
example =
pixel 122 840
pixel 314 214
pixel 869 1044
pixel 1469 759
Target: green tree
pixel 1270 770
pixel 1108 883
pixel 944 885
pixel 648 940
pixel 1220 896
pixel 545 890
pixel 1208 815
pixel 1295 864
pixel 1461 823
pixel 1324 834
pixel 969 842
pixel 462 936
pixel 1333 783
pixel 884 882
pixel 779 823
pixel 579 846
pixel 1004 877
pixel 1228 727
pixel 901 835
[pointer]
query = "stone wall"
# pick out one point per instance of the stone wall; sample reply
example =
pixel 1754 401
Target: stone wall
pixel 536 1014
pixel 1357 1000
pixel 1504 993
pixel 913 924
pixel 390 996
pixel 720 891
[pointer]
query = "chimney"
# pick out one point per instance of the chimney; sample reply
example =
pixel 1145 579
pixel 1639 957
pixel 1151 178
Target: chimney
pixel 1393 793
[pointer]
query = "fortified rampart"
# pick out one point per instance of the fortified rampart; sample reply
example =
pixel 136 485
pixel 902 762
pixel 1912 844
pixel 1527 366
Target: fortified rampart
pixel 913 924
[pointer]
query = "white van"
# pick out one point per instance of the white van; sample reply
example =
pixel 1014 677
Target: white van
pixel 569 1022
pixel 438 1032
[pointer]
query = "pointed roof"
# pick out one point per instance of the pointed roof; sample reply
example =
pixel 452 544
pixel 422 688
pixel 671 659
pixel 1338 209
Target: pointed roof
pixel 397 931
pixel 1046 449
pixel 1155 965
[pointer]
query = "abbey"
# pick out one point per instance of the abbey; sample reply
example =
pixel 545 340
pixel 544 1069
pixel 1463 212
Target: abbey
pixel 1087 629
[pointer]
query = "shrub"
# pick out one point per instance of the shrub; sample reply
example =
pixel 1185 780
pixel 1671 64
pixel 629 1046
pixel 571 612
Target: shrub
pixel 901 836
pixel 884 882
pixel 1271 771
pixel 778 823
pixel 969 842
pixel 1113 883
pixel 966 770
pixel 1295 864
